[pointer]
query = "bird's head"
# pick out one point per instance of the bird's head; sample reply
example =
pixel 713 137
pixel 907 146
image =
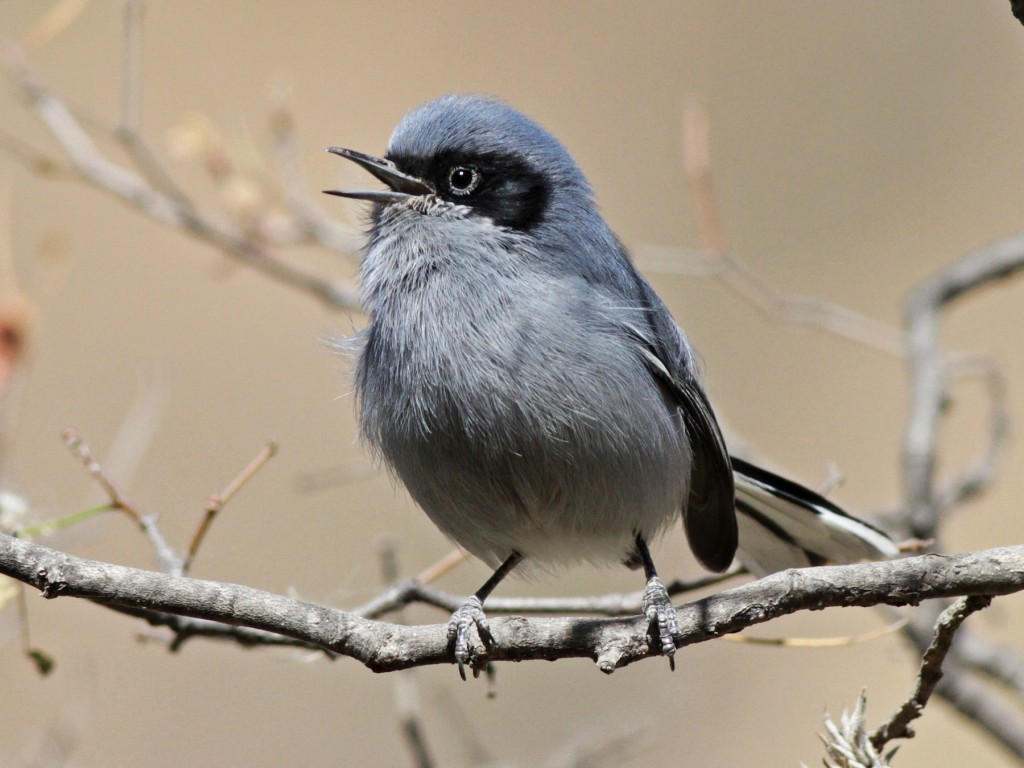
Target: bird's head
pixel 474 157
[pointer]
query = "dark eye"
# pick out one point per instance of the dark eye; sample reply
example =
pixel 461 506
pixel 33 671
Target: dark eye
pixel 462 180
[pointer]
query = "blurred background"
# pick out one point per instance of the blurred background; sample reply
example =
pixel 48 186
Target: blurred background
pixel 858 147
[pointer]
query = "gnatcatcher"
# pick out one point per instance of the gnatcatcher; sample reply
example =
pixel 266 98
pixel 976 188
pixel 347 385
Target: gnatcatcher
pixel 529 387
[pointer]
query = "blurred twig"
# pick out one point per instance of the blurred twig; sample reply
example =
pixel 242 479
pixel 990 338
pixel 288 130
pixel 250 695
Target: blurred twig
pixel 407 697
pixel 156 196
pixel 714 253
pixel 930 374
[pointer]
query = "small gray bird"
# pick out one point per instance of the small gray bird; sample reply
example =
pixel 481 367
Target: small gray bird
pixel 529 387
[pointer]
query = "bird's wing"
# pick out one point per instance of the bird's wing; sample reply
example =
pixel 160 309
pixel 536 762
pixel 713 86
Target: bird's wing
pixel 709 515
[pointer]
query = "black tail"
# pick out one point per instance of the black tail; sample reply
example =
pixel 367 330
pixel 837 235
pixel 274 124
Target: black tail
pixel 784 525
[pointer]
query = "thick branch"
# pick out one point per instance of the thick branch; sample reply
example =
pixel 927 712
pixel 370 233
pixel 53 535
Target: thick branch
pixel 611 642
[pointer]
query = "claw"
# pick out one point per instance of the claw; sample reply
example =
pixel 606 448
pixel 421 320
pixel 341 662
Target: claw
pixel 660 613
pixel 469 613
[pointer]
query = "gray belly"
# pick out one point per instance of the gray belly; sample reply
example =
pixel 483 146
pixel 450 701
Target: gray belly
pixel 561 453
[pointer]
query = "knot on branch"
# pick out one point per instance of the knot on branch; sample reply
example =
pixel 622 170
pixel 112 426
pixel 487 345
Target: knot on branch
pixel 51 582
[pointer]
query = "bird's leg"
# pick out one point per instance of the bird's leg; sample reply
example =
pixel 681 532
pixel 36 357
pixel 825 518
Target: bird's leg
pixel 472 612
pixel 657 606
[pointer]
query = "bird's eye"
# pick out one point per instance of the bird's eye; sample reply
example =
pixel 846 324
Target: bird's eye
pixel 462 180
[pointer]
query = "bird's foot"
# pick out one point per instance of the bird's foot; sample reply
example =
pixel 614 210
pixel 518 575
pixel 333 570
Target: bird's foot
pixel 661 614
pixel 469 613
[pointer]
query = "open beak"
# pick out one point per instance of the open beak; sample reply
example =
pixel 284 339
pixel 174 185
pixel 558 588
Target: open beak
pixel 402 186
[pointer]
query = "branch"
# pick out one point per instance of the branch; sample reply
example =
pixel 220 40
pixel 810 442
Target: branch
pixel 618 604
pixel 971 689
pixel 715 257
pixel 168 208
pixel 898 726
pixel 929 372
pixel 612 643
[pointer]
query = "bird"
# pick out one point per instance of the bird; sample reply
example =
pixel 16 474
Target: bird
pixel 531 390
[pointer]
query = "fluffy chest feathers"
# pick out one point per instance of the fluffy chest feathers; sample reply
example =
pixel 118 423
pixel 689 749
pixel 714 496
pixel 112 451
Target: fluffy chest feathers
pixel 514 404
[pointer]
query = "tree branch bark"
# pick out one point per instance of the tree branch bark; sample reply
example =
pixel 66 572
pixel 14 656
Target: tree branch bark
pixel 612 643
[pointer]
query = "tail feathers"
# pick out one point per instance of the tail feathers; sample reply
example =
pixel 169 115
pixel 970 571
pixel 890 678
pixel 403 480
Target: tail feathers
pixel 784 525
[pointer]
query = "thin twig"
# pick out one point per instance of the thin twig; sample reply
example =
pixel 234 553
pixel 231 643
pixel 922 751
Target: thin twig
pixel 929 372
pixel 454 558
pixel 131 69
pixel 216 502
pixel 976 478
pixel 92 167
pixel 80 450
pixel 615 604
pixel 407 699
pixel 169 561
pixel 821 642
pixel 309 217
pixel 898 726
pixel 777 305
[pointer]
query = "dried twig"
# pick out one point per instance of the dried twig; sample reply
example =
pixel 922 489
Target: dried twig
pixel 967 688
pixel 169 561
pixel 407 698
pixel 616 604
pixel 216 502
pixel 169 208
pixel 714 252
pixel 929 373
pixel 898 726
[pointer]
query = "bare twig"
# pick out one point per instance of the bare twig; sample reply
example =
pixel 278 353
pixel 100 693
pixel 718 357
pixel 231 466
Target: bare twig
pixel 454 558
pixel 821 642
pixel 929 373
pixel 799 310
pixel 131 77
pixel 617 604
pixel 407 698
pixel 898 726
pixel 80 450
pixel 216 502
pixel 169 561
pixel 310 219
pixel 976 478
pixel 393 600
pixel 967 689
pixel 167 208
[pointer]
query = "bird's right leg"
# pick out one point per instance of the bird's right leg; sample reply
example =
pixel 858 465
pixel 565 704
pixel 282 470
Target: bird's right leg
pixel 472 612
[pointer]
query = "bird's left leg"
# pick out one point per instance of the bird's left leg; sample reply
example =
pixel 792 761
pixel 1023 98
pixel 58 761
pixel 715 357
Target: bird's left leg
pixel 472 612
pixel 657 606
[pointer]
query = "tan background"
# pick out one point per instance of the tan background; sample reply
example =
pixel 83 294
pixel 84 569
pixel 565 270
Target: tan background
pixel 859 147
